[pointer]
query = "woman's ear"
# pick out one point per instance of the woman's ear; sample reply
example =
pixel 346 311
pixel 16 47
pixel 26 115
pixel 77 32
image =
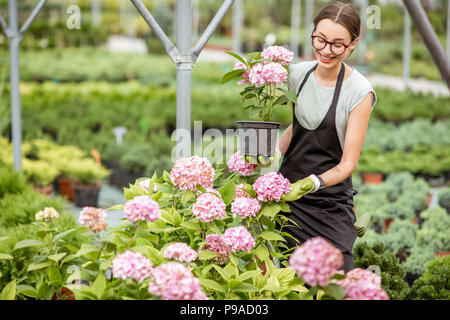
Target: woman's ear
pixel 353 45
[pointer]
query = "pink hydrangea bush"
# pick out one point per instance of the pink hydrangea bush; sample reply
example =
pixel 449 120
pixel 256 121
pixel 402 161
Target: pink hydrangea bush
pixel 145 184
pixel 209 207
pixel 180 251
pixel 142 208
pixel 174 281
pixel 238 66
pixel 94 218
pixel 238 238
pixel 239 165
pixel 271 186
pixel 239 191
pixel 187 173
pixel 316 261
pixel 131 265
pixel 245 207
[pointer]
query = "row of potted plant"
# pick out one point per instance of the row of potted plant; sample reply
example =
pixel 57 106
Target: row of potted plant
pixel 78 176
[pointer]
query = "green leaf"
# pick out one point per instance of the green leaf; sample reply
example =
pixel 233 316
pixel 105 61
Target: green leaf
pixel 89 251
pixel 227 192
pixel 57 257
pixel 116 207
pixel 28 243
pixel 37 266
pixel 187 196
pixel 155 256
pixel 246 287
pixel 271 236
pixel 232 75
pixel 262 252
pixel 284 207
pixel 211 284
pixel 9 291
pixel 281 100
pixel 54 275
pixel 99 285
pixel 189 225
pixel 270 210
pixel 335 291
pixel 248 274
pixel 170 215
pixel 232 284
pixel 4 256
pixel 206 255
pixel 26 290
pixel 65 233
pixel 238 57
pixel 289 95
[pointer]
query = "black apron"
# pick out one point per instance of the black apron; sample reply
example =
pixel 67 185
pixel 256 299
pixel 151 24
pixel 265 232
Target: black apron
pixel 328 212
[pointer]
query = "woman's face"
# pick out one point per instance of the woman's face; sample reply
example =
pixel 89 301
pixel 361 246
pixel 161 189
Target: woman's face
pixel 332 32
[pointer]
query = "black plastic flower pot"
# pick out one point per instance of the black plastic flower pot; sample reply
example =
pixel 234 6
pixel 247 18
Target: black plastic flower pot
pixel 410 278
pixel 258 138
pixel 86 195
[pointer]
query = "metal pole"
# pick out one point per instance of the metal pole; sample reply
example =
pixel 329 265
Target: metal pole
pixel 237 26
pixel 295 25
pixel 363 39
pixel 308 28
pixel 184 33
pixel 425 29
pixel 96 12
pixel 448 29
pixel 406 49
pixel 15 84
pixel 195 19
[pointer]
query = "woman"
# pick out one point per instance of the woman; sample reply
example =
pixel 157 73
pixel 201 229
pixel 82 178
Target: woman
pixel 330 122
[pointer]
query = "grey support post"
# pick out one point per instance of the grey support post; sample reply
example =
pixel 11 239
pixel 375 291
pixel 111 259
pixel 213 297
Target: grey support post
pixel 237 26
pixel 295 25
pixel 184 58
pixel 430 38
pixel 14 35
pixel 309 24
pixel 406 49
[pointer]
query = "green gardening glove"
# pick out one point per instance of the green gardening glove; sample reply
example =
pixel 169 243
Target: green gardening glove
pixel 299 189
pixel 362 223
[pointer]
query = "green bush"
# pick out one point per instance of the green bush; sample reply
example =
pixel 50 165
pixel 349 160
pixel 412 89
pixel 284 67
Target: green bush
pixel 401 236
pixel 11 181
pixel 444 197
pixel 391 272
pixel 417 261
pixel 435 282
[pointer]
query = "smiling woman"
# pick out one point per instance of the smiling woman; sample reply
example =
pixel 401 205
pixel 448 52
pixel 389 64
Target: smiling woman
pixel 330 121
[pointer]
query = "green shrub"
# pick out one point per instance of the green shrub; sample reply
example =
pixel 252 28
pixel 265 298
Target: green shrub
pixel 401 236
pixel 444 197
pixel 417 261
pixel 391 272
pixel 11 181
pixel 435 282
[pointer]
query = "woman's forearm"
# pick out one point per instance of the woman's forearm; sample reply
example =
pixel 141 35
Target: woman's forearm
pixel 337 174
pixel 285 140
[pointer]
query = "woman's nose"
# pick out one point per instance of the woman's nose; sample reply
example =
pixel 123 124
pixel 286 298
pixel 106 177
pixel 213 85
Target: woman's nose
pixel 327 49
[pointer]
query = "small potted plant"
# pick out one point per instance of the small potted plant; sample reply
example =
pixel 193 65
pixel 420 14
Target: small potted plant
pixel 41 174
pixel 87 174
pixel 264 75
pixel 444 199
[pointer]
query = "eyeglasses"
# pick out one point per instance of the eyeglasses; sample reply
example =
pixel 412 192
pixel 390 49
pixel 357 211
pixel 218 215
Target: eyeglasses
pixel 337 48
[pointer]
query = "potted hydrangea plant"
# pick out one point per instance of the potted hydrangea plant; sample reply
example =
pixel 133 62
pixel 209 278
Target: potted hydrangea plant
pixel 264 74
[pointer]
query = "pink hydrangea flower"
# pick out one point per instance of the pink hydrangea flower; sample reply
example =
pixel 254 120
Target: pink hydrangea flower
pixel 131 265
pixel 142 208
pixel 245 207
pixel 174 281
pixel 209 207
pixel 187 173
pixel 180 251
pixel 362 284
pixel 239 191
pixel 278 54
pixel 238 238
pixel 244 76
pixel 271 186
pixel 316 260
pixel 364 290
pixel 95 218
pixel 268 73
pixel 215 243
pixel 239 165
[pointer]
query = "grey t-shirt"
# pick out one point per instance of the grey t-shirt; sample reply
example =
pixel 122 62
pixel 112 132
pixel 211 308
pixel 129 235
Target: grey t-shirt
pixel 315 100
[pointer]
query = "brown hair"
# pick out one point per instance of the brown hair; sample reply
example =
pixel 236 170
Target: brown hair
pixel 343 14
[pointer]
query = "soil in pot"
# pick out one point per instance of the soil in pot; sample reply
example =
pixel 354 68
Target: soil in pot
pixel 86 195
pixel 387 223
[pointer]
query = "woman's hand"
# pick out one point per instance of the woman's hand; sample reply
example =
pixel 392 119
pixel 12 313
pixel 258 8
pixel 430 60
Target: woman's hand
pixel 299 189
